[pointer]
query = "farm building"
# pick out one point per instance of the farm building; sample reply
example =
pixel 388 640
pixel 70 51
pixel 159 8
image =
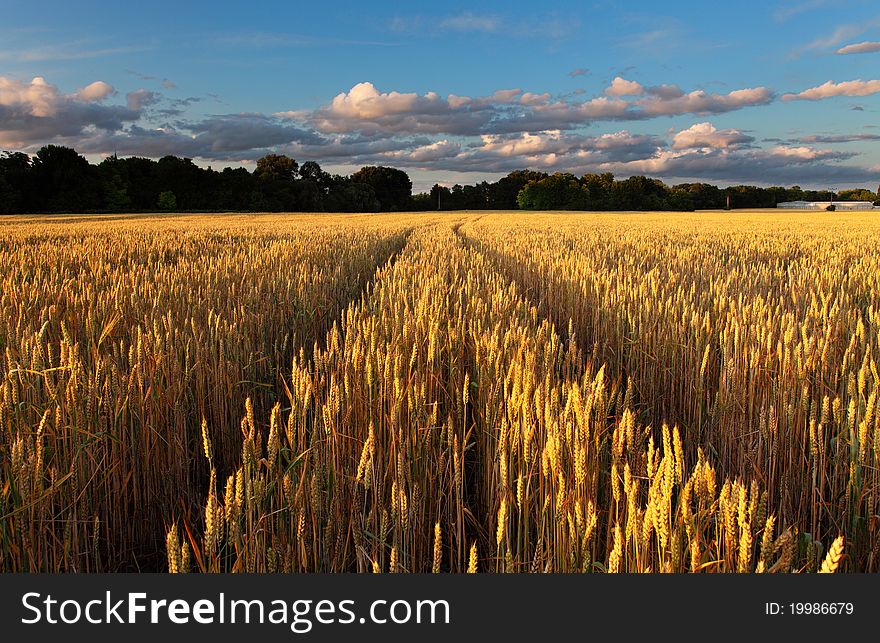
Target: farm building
pixel 825 205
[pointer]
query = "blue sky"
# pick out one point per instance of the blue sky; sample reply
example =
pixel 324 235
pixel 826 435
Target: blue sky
pixel 766 93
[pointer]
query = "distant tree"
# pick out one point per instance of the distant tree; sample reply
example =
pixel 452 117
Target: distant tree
pixel 749 196
pixel 190 184
pixel 167 201
pixel 347 195
pixel 16 181
pixel 502 194
pixel 64 181
pixel 560 191
pixel 115 184
pixel 234 189
pixel 423 202
pixel 393 187
pixel 680 200
pixel 312 187
pixel 277 167
pixel 311 171
pixel 639 193
pixel 702 196
pixel 276 176
pixel 440 197
pixel 470 197
pixel 599 188
pixel 9 197
pixel 58 179
pixel 141 176
pixel 776 194
pixel 856 195
pixel 794 193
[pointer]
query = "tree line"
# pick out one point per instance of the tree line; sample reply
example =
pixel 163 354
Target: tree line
pixel 58 179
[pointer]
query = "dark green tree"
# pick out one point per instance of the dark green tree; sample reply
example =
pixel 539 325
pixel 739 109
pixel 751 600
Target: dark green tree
pixel 16 179
pixel 393 187
pixel 276 176
pixel 348 196
pixel 560 191
pixel 114 182
pixel 167 201
pixel 502 194
pixel 64 181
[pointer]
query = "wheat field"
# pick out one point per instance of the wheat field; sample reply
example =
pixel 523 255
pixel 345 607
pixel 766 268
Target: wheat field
pixel 456 392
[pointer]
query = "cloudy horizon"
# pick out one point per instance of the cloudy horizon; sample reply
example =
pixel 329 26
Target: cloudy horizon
pixel 658 97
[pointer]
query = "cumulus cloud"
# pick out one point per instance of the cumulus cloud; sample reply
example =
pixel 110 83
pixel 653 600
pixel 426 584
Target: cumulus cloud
pixel 550 150
pixel 425 154
pixel 779 165
pixel 803 154
pixel 702 102
pixel 505 130
pixel 702 135
pixel 830 88
pixel 365 108
pixel 622 87
pixel 700 152
pixel 38 98
pixel 38 112
pixel 96 91
pixel 866 47
pixel 664 100
pixel 502 96
pixel 580 71
pixel 528 98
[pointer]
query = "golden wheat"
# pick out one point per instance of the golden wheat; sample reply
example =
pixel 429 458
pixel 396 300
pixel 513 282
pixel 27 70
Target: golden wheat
pixel 560 393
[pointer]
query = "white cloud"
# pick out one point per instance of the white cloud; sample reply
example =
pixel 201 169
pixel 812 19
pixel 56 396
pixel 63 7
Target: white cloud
pixel 502 96
pixel 37 112
pixel 866 47
pixel 705 135
pixel 426 153
pixel 701 102
pixel 365 109
pixel 622 87
pixel 37 98
pixel 828 89
pixel 804 153
pixel 96 91
pixel 505 130
pixel 528 98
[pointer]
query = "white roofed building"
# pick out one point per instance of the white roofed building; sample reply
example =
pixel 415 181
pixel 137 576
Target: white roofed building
pixel 826 205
